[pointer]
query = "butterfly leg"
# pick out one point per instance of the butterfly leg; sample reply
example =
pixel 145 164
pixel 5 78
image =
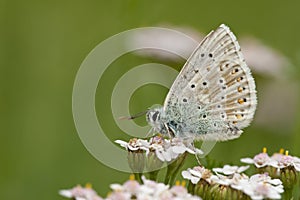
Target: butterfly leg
pixel 170 131
pixel 197 158
pixel 191 143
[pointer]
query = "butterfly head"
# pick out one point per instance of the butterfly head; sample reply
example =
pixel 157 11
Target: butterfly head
pixel 155 118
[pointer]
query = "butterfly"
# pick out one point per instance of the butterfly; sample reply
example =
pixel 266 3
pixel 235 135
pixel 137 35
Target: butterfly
pixel 214 95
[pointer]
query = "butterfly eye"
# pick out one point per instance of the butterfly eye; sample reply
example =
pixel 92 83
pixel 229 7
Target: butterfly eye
pixel 210 55
pixel 193 86
pixel 155 116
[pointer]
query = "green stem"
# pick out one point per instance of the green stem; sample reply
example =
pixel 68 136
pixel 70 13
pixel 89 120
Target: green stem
pixel 138 177
pixel 153 175
pixel 173 169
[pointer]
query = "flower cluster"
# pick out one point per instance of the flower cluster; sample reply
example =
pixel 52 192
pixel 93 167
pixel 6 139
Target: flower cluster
pixel 81 193
pixel 132 189
pixel 277 160
pixel 278 165
pixel 277 175
pixel 165 150
pixel 230 183
pixel 149 190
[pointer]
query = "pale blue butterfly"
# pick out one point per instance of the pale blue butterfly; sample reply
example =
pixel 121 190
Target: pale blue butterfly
pixel 214 95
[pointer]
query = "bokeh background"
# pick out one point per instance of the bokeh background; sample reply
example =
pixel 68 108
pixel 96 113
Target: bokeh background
pixel 42 45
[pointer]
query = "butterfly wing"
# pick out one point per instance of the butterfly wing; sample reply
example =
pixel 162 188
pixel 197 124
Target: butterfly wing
pixel 214 95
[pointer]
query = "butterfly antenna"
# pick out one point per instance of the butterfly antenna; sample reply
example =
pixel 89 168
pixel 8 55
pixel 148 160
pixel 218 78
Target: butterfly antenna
pixel 134 116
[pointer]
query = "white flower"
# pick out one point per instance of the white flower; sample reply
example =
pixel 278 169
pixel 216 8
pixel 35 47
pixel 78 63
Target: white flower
pixel 165 150
pixel 119 195
pixel 134 144
pixel 235 180
pixel 296 163
pixel 258 186
pixel 197 173
pixel 228 170
pixel 152 187
pixel 180 192
pixel 182 145
pixel 257 178
pixel 277 160
pixel 80 193
pixel 262 191
pixel 260 160
pixel 149 190
pixel 221 179
pixel 281 161
pixel 231 177
pixel 165 154
pixel 170 149
pixel 131 186
pixel 261 186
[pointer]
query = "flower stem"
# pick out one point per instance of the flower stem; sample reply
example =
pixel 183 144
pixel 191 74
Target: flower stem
pixel 138 177
pixel 173 169
pixel 153 175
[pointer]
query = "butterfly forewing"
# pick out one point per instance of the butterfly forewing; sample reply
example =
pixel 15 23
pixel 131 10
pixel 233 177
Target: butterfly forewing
pixel 214 95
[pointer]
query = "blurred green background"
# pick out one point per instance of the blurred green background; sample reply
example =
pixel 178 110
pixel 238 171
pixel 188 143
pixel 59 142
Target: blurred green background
pixel 42 45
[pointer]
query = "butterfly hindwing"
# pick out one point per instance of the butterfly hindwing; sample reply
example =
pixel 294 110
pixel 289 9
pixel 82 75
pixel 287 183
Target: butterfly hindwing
pixel 214 95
